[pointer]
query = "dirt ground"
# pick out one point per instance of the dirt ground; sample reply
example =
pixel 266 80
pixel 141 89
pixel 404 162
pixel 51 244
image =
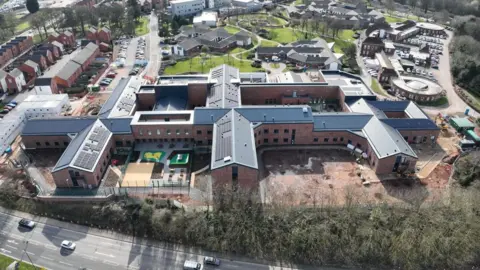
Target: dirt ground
pixel 91 103
pixel 44 161
pixel 332 177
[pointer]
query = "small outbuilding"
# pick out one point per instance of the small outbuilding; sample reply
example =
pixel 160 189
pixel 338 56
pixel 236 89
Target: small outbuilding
pixel 461 124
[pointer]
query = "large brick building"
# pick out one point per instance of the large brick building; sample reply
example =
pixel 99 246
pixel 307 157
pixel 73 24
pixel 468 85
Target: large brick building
pixel 234 114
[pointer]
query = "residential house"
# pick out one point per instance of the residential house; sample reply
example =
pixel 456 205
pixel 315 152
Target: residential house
pixel 371 46
pixel 5 55
pixel 91 33
pixel 314 53
pixel 217 40
pixel 13 48
pixel 40 60
pixel 104 47
pixel 15 81
pixel 47 54
pixel 67 39
pixel 31 69
pixel 46 86
pixel 59 46
pixel 3 81
pixel 104 35
pixel 54 50
pixel 68 75
pixel 86 56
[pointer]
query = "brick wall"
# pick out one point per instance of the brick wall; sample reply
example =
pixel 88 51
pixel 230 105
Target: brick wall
pixel 247 177
pixel 145 101
pixel 197 94
pixel 257 95
pixel 46 141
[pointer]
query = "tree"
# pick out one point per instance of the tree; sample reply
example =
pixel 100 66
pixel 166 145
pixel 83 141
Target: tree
pixel 32 6
pixel 69 19
pixel 37 24
pixel 390 5
pixel 82 14
pixel 175 27
pixel 129 26
pixel 412 4
pixel 425 5
pixel 350 51
pixel 8 22
pixel 136 11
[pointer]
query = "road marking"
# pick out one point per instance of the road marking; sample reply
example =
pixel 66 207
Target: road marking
pixel 33 242
pixel 58 237
pixel 50 247
pixel 16 236
pixel 5 250
pixel 11 247
pixel 88 257
pixel 33 254
pixel 108 255
pixel 46 258
pixel 110 263
pixel 132 267
pixel 12 242
pixel 65 263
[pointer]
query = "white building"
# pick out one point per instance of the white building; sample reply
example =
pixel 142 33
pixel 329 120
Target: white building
pixel 208 18
pixel 243 3
pixel 10 126
pixel 186 7
pixel 44 106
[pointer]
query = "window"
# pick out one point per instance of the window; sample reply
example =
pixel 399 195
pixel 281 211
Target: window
pixel 38 143
pixel 177 131
pixel 275 140
pixel 47 143
pixel 335 139
pixel 209 132
pixel 158 131
pixel 258 142
pixel 118 143
pixel 129 143
pixel 199 132
pixel 199 142
pixel 265 140
pixel 265 131
pixel 141 132
pixel 325 140
pixel 286 131
pixel 149 133
pixel 65 143
pixel 167 119
pixel 285 140
pixel 168 132
pixel 359 145
pixel 275 131
pixel 349 141
pixel 315 139
pixel 209 142
pixel 341 139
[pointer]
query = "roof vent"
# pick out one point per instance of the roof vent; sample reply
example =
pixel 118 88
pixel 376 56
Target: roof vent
pixel 305 110
pixel 245 145
pixel 227 159
pixel 324 125
pixel 265 117
pixel 211 116
pixel 273 119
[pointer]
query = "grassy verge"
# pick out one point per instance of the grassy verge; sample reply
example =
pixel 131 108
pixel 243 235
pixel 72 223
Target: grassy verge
pixel 347 34
pixel 377 88
pixel 391 19
pixel 23 26
pixel 274 65
pixel 439 102
pixel 142 27
pixel 232 29
pixel 285 35
pixel 339 44
pixel 5 261
pixel 194 65
pixel 474 100
pixel 237 50
pixel 268 43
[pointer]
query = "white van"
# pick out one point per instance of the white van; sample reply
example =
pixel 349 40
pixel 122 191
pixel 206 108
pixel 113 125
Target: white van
pixel 192 265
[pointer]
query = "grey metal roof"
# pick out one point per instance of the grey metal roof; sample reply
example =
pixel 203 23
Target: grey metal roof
pixel 43 81
pixel 112 100
pixel 340 121
pixel 72 149
pixel 91 46
pixel 411 124
pixel 225 92
pixel 234 142
pixel 390 106
pixel 84 54
pixel 362 106
pixel 118 125
pixel 68 70
pixel 414 111
pixel 207 116
pixel 15 72
pixel 189 44
pixel 56 126
pixel 2 74
pixel 277 114
pixel 31 64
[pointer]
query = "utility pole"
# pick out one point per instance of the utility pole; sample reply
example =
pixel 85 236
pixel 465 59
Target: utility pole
pixel 25 252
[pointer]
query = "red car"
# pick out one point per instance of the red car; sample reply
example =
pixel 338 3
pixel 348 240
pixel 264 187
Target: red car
pixel 111 75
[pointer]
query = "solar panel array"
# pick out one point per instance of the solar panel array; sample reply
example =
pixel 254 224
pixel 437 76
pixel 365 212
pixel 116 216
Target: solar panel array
pixel 224 138
pixel 126 103
pixel 92 149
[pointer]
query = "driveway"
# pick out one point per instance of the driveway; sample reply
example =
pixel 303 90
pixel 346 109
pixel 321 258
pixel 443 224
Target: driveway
pixel 443 75
pixel 267 66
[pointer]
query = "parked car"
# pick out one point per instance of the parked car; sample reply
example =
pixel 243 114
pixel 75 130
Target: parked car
pixel 68 245
pixel 211 261
pixel 133 72
pixel 111 75
pixel 26 223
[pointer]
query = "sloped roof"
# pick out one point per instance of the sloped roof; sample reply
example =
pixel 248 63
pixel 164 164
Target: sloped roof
pixel 85 53
pixel 15 72
pixel 189 44
pixel 68 70
pixel 32 64
pixel 119 125
pixel 411 124
pixel 277 114
pixel 2 74
pixel 73 148
pixel 207 116
pixel 340 121
pixel 56 126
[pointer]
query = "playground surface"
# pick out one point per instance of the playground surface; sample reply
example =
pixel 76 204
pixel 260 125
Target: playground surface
pixel 153 156
pixel 138 175
pixel 180 159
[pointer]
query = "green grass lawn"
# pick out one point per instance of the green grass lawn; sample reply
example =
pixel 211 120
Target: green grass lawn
pixel 475 100
pixel 286 35
pixel 5 261
pixel 339 44
pixel 142 27
pixel 268 43
pixel 232 29
pixel 274 65
pixel 184 66
pixel 237 50
pixel 377 88
pixel 391 19
pixel 347 34
pixel 23 26
pixel 37 39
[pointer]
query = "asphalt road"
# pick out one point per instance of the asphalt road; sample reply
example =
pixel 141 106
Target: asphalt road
pixel 153 47
pixel 94 251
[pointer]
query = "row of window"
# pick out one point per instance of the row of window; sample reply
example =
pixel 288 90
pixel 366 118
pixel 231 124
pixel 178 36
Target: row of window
pixel 177 132
pixel 49 144
pixel 275 131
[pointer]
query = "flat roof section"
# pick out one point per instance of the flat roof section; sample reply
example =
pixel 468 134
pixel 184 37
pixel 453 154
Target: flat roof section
pixel 430 26
pixel 417 85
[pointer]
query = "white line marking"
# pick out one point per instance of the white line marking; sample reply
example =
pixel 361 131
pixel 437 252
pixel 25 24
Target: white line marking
pixel 89 257
pixel 33 254
pixel 33 242
pixel 11 247
pixel 58 237
pixel 5 250
pixel 12 242
pixel 108 255
pixel 132 267
pixel 50 247
pixel 46 258
pixel 65 263
pixel 110 263
pixel 16 236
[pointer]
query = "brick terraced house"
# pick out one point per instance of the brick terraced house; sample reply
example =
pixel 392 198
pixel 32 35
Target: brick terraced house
pixel 233 114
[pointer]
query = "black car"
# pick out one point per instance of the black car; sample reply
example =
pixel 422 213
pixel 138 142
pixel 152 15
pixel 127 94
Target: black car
pixel 133 72
pixel 26 223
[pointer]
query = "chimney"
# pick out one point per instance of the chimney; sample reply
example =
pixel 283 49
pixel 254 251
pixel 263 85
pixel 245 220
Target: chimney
pixel 324 125
pixel 265 117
